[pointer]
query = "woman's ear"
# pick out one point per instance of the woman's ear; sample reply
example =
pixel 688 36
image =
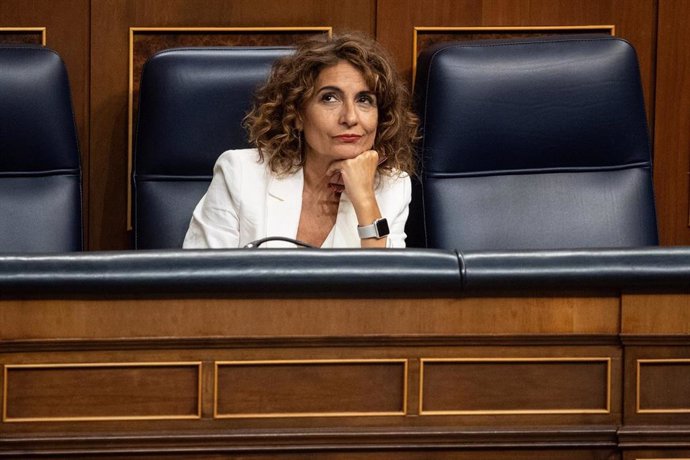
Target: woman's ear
pixel 299 125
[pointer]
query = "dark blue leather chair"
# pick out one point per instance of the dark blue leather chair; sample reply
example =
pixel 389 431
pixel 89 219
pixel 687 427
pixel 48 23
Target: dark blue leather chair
pixel 192 102
pixel 40 175
pixel 535 144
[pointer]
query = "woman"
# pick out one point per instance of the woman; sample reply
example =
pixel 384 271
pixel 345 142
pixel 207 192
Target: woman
pixel 334 149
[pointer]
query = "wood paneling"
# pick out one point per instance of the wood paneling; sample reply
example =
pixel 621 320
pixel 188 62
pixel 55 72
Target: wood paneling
pixel 23 36
pixel 111 20
pixel 656 389
pixel 655 315
pixel 67 24
pixel 241 318
pixel 81 392
pixel 672 124
pixel 483 386
pixel 334 388
pixel 312 375
pixel 666 454
pixel 671 375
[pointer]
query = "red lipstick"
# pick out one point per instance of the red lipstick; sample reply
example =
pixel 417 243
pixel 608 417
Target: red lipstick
pixel 348 138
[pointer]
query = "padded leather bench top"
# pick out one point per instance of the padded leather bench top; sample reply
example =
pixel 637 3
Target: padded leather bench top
pixel 347 273
pixel 234 273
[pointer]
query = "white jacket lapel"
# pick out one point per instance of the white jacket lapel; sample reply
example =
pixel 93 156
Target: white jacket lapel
pixel 345 231
pixel 283 207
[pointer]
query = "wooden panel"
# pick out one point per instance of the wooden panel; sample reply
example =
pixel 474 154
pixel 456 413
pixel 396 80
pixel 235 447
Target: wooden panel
pixel 662 386
pixel 122 391
pixel 23 35
pixel 672 125
pixel 67 29
pixel 62 319
pixel 655 314
pixel 333 390
pixel 666 454
pixel 310 388
pixel 483 386
pixel 112 19
pixel 656 390
pixel 398 454
pixel 329 451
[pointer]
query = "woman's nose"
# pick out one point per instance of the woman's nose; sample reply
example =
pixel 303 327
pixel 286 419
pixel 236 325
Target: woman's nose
pixel 348 114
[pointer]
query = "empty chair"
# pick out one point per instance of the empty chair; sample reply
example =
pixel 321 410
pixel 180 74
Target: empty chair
pixel 40 178
pixel 535 144
pixel 192 102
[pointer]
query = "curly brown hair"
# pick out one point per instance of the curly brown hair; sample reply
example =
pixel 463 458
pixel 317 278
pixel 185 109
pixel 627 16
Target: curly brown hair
pixel 273 120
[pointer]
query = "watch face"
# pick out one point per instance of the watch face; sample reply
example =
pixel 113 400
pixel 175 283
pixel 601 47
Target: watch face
pixel 382 227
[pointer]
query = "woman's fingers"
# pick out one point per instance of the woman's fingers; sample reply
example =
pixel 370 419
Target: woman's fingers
pixel 357 175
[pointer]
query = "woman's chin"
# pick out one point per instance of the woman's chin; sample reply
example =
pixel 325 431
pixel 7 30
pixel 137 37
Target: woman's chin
pixel 346 152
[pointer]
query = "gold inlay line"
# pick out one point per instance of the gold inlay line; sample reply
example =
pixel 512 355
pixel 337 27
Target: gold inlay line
pixel 5 390
pixel 638 408
pixel 606 410
pixel 289 362
pixel 42 30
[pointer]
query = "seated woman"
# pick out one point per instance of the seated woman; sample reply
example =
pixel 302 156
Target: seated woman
pixel 334 142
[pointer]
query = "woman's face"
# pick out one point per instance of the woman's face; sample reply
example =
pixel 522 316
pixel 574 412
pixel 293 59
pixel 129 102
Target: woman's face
pixel 340 119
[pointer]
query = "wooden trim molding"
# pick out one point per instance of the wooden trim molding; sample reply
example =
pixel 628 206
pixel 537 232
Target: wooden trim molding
pixel 424 362
pixel 218 414
pixel 41 30
pixel 9 368
pixel 638 384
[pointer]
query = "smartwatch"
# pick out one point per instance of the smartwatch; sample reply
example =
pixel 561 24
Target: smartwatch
pixel 377 230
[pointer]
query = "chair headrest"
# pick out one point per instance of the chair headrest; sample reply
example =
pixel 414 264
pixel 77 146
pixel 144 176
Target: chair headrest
pixel 36 120
pixel 192 104
pixel 547 103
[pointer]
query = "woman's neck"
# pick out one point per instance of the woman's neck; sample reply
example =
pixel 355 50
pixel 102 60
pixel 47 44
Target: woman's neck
pixel 315 178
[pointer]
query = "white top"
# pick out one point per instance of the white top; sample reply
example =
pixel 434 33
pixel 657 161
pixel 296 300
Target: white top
pixel 246 202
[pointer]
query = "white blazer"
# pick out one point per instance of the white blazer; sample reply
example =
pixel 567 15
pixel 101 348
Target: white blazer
pixel 246 202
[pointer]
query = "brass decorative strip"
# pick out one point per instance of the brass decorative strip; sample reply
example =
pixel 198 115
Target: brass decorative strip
pixel 536 30
pixel 218 364
pixel 5 395
pixel 41 30
pixel 213 30
pixel 638 408
pixel 605 410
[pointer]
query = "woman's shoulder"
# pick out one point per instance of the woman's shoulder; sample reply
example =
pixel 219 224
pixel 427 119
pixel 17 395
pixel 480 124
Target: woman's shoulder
pixel 245 160
pixel 394 179
pixel 239 156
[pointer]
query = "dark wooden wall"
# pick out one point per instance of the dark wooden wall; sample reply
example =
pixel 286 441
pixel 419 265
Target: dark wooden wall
pixel 93 37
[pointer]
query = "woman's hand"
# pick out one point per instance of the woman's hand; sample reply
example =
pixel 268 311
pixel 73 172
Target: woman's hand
pixel 358 176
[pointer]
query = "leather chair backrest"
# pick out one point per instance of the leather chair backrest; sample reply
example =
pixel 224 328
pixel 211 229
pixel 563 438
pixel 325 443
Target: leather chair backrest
pixel 535 144
pixel 40 175
pixel 191 105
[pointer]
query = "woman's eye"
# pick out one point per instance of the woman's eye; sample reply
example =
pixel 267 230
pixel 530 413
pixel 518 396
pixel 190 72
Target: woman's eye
pixel 366 99
pixel 328 97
